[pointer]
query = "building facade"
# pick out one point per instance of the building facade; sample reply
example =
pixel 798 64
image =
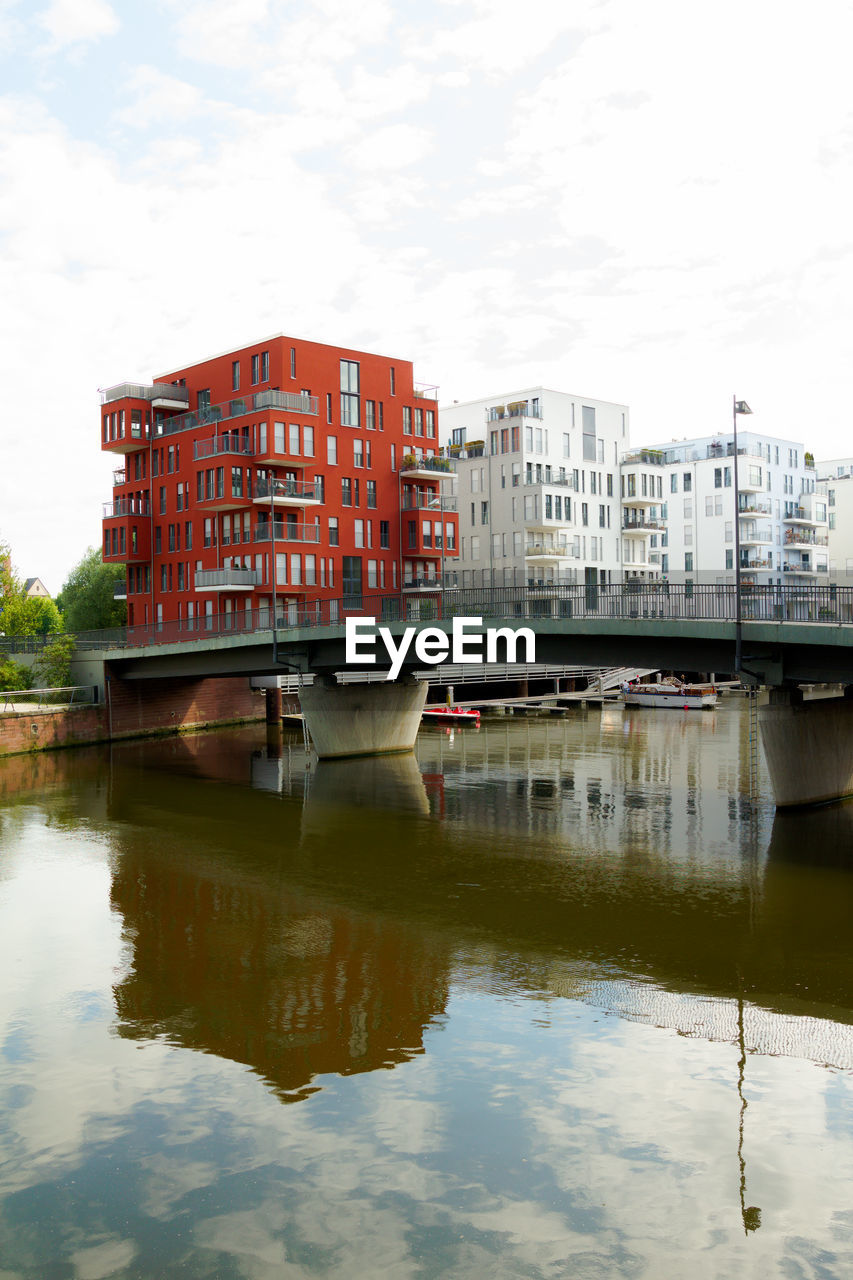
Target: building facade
pixel 782 524
pixel 537 486
pixel 277 475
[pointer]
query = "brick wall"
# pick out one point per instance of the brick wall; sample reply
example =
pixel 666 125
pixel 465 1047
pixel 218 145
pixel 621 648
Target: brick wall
pixel 135 708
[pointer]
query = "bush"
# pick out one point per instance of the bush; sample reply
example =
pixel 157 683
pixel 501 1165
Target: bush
pixel 53 667
pixel 14 675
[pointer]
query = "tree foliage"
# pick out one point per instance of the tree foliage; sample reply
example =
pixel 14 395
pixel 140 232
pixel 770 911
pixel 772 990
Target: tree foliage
pixel 14 675
pixel 20 614
pixel 53 667
pixel 86 599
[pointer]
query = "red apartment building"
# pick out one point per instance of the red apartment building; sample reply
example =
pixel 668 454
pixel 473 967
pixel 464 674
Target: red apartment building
pixel 317 464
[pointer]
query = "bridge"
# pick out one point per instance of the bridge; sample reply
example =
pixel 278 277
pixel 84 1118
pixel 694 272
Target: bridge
pixel 786 637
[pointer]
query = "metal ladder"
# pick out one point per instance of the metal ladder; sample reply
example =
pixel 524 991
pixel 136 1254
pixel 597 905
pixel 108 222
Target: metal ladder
pixel 753 746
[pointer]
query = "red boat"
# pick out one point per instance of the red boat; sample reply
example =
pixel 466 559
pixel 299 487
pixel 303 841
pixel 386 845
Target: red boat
pixel 451 715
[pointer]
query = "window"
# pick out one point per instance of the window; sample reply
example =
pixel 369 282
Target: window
pixel 688 562
pixel 346 491
pixel 384 534
pixel 265 366
pixel 484 513
pixel 359 533
pixel 333 531
pixel 687 481
pixel 430 423
pixel 332 450
pixel 718 477
pixel 371 493
pixel 370 415
pixel 328 406
pixel 235 375
pixel 162 499
pixel 588 427
pixel 293 362
pixel 293 438
pixel 730 562
pixel 584 514
pixel 419 422
pixel 357 453
pixel 256 369
pixel 407 420
pixel 673 483
pixel 349 393
pixel 308 441
pixel 393 381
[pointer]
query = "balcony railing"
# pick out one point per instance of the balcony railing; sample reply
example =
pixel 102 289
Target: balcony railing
pixel 310 490
pixel 142 391
pixel 515 409
pixel 285 531
pixel 127 507
pixel 425 391
pixel 749 508
pixel 217 445
pixel 648 457
pixel 558 550
pixel 291 402
pixel 641 526
pixel 206 578
pixel 805 538
pixel 419 584
pixel 441 466
pixel 427 502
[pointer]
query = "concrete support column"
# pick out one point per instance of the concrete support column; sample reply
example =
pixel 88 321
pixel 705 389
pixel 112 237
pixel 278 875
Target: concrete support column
pixel 362 719
pixel 808 747
pixel 273 701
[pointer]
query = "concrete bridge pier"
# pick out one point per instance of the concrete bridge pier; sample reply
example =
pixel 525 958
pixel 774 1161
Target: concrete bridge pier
pixel 808 747
pixel 362 719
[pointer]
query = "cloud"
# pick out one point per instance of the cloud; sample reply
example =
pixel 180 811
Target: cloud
pixel 70 22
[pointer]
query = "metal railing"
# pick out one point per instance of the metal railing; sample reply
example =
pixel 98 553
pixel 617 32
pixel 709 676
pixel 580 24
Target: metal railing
pixel 217 445
pixel 25 701
pixel 143 391
pixel 127 507
pixel 441 466
pixel 234 577
pixel 427 502
pixel 310 490
pixel 238 407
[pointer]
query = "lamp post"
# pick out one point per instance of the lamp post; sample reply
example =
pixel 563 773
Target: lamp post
pixel 738 406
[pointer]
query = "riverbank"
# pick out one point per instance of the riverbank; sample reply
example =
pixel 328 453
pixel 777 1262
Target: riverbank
pixel 138 710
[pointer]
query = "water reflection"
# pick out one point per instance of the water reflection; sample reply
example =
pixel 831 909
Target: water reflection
pixel 599 976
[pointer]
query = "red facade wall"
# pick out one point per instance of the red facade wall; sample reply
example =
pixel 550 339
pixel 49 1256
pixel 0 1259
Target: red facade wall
pixel 161 479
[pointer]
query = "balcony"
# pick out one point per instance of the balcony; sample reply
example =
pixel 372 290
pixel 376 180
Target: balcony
pixel 413 468
pixel 640 500
pixel 425 391
pixel 421 584
pixel 289 401
pixel 751 479
pixel 647 457
pixel 162 395
pixel 799 537
pixel 802 516
pixel 120 591
pixel 756 564
pixel 544 552
pixel 225 579
pixel 128 439
pixel 750 507
pixel 288 493
pixel 756 536
pixel 515 409
pixel 128 506
pixel 120 477
pixel 807 570
pixel 286 531
pixel 218 445
pixel 424 500
pixel 642 526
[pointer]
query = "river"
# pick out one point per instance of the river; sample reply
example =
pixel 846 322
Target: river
pixel 554 998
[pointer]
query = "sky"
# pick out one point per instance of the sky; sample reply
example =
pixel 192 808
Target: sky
pixel 645 203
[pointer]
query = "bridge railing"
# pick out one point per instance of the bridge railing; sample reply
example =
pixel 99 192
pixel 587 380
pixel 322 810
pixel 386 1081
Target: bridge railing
pixel 825 605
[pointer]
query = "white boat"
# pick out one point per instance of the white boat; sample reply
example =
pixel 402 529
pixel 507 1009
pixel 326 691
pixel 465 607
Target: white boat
pixel 669 693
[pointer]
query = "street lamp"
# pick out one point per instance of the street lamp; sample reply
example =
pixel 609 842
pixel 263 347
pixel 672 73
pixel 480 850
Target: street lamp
pixel 738 407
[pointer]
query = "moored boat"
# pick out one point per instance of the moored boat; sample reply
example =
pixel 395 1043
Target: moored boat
pixel 451 715
pixel 669 693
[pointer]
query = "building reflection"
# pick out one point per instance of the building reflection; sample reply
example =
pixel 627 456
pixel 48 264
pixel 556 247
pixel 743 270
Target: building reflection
pixel 310 920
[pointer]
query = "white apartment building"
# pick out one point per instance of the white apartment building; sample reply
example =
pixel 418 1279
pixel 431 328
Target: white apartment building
pixel 782 511
pixel 836 476
pixel 537 487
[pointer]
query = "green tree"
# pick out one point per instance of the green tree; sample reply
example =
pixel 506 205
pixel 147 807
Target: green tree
pixel 25 615
pixel 53 667
pixel 20 614
pixel 87 600
pixel 14 675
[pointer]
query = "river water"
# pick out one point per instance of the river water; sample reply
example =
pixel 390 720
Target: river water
pixel 551 998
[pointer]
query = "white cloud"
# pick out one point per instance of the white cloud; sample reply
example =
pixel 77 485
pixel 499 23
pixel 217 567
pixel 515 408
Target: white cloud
pixel 70 22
